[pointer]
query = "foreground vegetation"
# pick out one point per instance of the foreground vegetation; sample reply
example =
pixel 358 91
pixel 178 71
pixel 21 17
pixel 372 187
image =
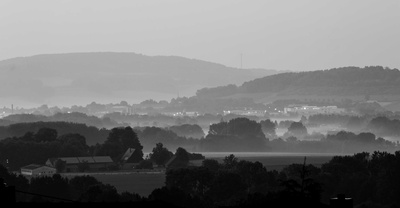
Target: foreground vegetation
pixel 370 179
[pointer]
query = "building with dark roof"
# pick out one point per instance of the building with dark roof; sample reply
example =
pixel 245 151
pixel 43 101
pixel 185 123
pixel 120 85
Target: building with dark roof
pixel 95 163
pixel 128 159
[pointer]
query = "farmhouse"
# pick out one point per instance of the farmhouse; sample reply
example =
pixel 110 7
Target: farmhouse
pixel 130 158
pixel 37 170
pixel 96 163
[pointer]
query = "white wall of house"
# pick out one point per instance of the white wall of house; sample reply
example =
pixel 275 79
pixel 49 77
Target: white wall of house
pixel 39 171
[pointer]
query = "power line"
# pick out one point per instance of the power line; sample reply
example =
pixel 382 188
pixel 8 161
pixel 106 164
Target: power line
pixel 46 196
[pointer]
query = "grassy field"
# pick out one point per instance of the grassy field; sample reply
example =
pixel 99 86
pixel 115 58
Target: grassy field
pixel 140 183
pixel 278 162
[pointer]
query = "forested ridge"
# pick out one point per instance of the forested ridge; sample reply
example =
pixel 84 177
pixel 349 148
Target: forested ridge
pixel 369 80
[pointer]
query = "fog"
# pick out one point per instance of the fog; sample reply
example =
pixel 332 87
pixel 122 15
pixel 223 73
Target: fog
pixel 200 104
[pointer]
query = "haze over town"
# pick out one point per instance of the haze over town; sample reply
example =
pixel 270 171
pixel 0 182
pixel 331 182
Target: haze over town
pixel 283 36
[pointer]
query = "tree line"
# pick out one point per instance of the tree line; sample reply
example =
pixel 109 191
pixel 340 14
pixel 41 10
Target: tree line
pixel 46 140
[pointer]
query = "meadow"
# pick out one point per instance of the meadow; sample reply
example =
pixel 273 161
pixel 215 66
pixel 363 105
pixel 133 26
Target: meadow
pixel 140 183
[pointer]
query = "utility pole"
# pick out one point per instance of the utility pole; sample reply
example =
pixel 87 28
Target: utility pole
pixel 303 176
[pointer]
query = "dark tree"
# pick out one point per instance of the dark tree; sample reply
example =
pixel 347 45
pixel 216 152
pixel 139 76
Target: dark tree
pixel 81 184
pixel 55 186
pixel 227 189
pixel 211 164
pixel 194 181
pixel 126 137
pixel 46 135
pixel 230 161
pixel 100 193
pixel 244 126
pixel 118 141
pixel 220 128
pixel 73 145
pixel 188 130
pixel 239 134
pixel 269 128
pixel 181 159
pixel 160 154
pixel 297 128
pixel 60 165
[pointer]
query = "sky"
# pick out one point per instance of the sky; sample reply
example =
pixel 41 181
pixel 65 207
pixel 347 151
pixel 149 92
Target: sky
pixel 297 35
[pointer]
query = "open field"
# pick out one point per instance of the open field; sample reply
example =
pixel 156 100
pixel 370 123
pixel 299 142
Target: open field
pixel 274 160
pixel 140 183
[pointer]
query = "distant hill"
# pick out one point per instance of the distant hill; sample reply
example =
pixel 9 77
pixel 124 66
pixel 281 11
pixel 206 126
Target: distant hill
pixel 80 78
pixel 375 82
pixel 74 117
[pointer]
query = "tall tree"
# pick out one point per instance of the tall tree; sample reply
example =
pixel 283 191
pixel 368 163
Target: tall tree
pixel 297 129
pixel 46 135
pixel 118 141
pixel 181 158
pixel 160 154
pixel 269 128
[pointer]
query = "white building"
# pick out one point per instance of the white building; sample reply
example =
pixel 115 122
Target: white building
pixel 37 170
pixel 311 110
pixel 121 109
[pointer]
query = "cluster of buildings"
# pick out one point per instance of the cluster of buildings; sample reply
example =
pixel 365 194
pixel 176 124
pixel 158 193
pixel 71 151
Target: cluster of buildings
pixel 182 114
pixel 72 164
pixel 258 113
pixel 312 110
pixel 91 163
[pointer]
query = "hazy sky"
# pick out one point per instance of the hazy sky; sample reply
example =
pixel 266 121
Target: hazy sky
pixel 283 35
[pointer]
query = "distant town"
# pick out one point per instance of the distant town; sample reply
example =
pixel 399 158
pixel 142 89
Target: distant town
pixel 176 108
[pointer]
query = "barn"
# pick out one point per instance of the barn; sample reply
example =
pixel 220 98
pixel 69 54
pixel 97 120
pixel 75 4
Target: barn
pixel 37 170
pixel 95 163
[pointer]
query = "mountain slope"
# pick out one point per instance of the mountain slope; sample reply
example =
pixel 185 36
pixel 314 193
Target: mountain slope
pixel 74 78
pixel 338 82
